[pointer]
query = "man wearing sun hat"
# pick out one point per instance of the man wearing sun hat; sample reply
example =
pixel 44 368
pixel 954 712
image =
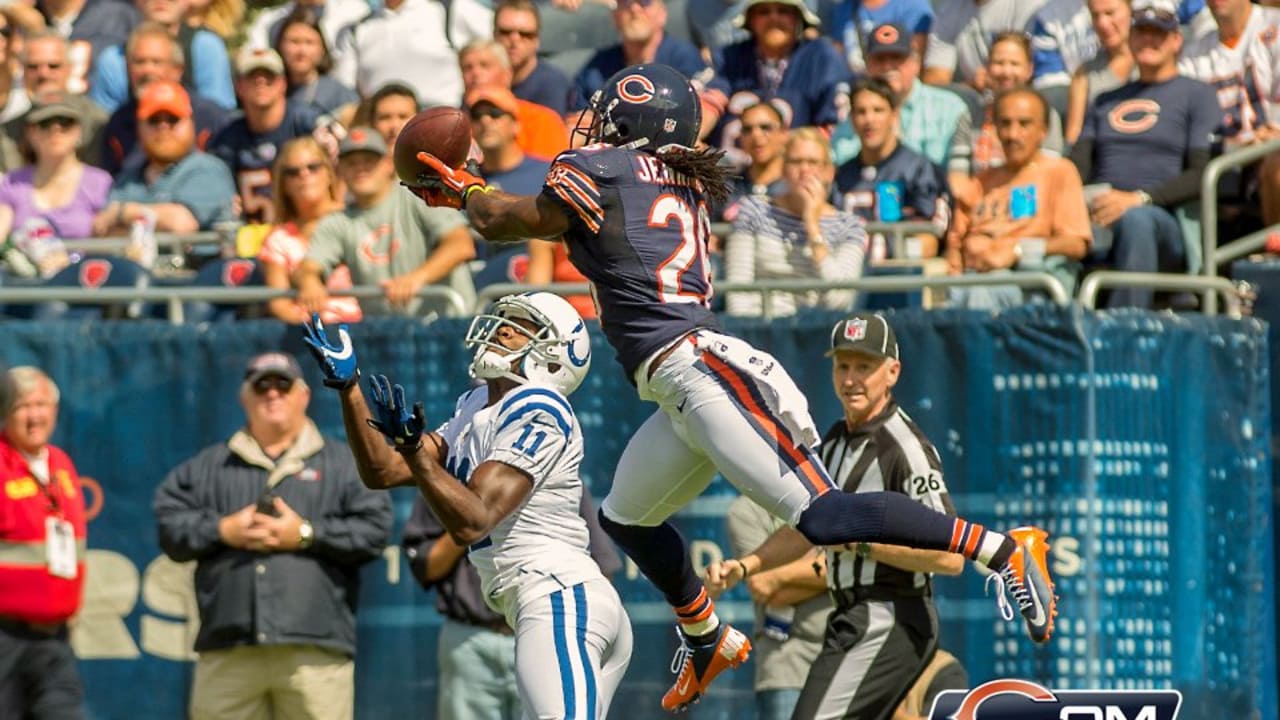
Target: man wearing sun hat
pixel 278 524
pixel 780 62
pixel 185 190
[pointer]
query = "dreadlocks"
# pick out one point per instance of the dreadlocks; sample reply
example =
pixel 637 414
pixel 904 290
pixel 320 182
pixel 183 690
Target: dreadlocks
pixel 702 165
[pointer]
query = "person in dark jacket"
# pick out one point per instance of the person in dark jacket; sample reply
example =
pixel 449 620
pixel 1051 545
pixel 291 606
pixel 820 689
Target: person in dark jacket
pixel 279 524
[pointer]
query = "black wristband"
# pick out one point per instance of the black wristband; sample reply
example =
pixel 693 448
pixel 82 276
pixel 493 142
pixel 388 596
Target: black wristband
pixel 343 384
pixel 745 573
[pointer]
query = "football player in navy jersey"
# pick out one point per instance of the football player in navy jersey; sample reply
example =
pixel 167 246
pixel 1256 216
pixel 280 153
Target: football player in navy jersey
pixel 632 207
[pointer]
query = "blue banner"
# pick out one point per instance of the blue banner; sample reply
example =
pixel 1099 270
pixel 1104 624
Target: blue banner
pixel 1141 441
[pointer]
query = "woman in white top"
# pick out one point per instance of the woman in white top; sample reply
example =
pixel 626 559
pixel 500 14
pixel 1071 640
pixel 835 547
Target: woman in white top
pixel 797 235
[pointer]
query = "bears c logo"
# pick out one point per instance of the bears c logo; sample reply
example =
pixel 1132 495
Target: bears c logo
pixel 887 34
pixel 1132 117
pixel 636 89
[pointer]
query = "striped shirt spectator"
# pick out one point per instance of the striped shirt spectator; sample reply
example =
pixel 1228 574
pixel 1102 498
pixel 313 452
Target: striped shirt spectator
pixel 798 235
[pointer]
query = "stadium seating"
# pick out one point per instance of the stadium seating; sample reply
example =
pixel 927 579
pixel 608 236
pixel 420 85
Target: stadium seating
pixel 227 273
pixel 91 274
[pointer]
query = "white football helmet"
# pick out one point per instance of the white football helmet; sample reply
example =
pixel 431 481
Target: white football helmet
pixel 559 348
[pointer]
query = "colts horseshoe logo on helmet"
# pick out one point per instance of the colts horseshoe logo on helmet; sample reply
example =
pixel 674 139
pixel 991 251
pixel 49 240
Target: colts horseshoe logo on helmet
pixel 636 89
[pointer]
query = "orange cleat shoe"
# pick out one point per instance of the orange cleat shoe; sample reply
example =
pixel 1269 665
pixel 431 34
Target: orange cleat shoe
pixel 1026 577
pixel 697 665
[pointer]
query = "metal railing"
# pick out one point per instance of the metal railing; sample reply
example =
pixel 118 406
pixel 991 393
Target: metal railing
pixel 881 284
pixel 174 297
pixel 897 232
pixel 1213 172
pixel 164 241
pixel 1210 286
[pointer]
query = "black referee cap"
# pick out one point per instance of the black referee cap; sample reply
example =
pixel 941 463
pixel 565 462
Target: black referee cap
pixel 866 333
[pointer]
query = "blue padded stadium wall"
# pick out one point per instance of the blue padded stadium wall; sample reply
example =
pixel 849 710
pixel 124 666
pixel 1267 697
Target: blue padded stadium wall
pixel 1141 441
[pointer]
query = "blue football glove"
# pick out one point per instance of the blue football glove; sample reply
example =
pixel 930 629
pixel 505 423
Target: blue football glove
pixel 402 427
pixel 338 362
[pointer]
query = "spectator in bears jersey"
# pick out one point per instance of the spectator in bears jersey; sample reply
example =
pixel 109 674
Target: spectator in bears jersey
pixel 642 39
pixel 1030 213
pixel 517 25
pixel 183 188
pixel 248 144
pixel 887 181
pixel 934 122
pixel 798 234
pixel 152 53
pixel 1240 58
pixel 1167 121
pixel 207 73
pixel 805 77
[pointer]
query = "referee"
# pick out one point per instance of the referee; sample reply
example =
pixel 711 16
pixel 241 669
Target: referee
pixel 883 630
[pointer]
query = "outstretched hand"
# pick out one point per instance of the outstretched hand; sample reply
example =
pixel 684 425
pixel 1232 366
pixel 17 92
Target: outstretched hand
pixel 450 185
pixel 338 362
pixel 401 426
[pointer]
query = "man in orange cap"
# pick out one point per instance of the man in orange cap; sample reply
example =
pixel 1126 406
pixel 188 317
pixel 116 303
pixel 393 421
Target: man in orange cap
pixel 183 188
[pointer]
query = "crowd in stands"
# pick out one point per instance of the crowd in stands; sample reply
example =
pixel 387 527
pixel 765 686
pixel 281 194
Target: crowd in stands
pixel 1058 135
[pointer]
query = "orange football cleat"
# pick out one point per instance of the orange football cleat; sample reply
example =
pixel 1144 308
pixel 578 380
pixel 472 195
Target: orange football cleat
pixel 697 665
pixel 1026 577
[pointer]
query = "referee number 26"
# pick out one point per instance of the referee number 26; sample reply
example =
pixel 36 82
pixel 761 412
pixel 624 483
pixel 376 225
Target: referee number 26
pixel 685 276
pixel 925 484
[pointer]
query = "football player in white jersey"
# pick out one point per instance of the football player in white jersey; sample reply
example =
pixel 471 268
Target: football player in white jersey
pixel 502 476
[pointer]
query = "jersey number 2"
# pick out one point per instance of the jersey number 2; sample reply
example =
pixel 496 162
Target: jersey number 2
pixel 690 257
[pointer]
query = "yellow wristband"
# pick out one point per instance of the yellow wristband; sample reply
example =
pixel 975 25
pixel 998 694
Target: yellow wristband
pixel 466 194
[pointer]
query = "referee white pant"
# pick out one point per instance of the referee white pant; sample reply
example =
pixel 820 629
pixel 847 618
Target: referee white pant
pixel 724 406
pixel 572 649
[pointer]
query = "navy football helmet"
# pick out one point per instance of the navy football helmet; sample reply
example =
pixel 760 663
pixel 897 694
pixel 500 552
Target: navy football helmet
pixel 645 107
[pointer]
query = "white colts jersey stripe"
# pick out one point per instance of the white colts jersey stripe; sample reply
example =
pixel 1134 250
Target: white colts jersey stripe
pixel 542 545
pixel 577 678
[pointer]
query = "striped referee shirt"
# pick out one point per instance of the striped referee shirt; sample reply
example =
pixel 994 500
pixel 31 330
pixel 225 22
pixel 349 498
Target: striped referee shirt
pixel 887 453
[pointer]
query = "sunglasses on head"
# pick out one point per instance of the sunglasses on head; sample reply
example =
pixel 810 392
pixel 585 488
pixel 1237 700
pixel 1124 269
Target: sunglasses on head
pixel 293 171
pixel 56 122
pixel 491 112
pixel 526 34
pixel 763 127
pixel 263 385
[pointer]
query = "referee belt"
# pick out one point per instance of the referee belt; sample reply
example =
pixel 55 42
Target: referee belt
pixel 848 597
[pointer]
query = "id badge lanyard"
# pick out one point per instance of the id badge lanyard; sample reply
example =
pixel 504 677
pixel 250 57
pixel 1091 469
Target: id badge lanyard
pixel 59 538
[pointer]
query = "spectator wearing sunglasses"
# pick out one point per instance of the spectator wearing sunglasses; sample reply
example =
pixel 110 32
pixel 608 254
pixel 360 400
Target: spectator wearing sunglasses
pixel 486 72
pixel 88 26
pixel 279 525
pixel 47 68
pixel 151 54
pixel 182 188
pixel 517 25
pixel 306 189
pixel 55 195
